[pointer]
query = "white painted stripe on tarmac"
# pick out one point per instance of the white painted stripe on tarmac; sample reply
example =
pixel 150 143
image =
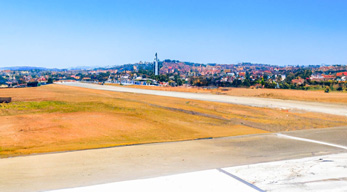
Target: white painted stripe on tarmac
pixel 241 180
pixel 311 141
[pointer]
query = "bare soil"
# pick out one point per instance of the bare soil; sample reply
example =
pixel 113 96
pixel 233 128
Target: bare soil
pixel 60 118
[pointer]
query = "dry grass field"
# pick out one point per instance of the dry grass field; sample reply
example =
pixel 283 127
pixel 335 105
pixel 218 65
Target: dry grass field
pixel 59 118
pixel 287 94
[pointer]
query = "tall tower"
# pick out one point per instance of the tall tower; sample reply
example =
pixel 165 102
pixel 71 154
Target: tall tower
pixel 156 65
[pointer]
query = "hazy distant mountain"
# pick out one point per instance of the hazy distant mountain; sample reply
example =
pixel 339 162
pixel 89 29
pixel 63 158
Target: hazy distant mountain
pixel 28 68
pixel 84 67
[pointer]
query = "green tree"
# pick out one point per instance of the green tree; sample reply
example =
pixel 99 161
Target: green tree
pixel 246 83
pixel 50 80
pixel 327 89
pixel 247 75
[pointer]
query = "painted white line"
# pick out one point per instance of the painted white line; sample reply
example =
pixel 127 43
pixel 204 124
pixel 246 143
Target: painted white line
pixel 241 180
pixel 312 141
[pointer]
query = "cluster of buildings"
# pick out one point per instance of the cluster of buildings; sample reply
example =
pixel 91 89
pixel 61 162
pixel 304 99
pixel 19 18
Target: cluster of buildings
pixel 176 73
pixel 242 71
pixel 21 78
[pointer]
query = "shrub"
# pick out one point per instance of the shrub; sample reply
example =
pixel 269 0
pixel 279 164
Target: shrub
pixel 33 84
pixel 327 89
pixel 49 81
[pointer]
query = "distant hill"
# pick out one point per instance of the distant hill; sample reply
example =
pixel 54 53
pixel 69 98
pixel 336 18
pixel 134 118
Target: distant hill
pixel 29 68
pixel 85 67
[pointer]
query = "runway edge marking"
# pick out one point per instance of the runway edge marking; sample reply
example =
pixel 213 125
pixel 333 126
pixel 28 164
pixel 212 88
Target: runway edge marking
pixel 241 180
pixel 311 141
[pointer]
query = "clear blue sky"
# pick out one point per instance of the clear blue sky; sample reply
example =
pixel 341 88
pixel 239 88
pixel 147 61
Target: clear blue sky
pixel 66 33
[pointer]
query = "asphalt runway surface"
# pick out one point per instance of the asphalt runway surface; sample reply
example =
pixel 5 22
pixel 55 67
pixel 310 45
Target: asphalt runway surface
pixel 334 109
pixel 89 167
pixel 314 174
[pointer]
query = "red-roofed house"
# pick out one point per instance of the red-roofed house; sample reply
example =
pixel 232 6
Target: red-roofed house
pixel 341 74
pixel 298 81
pixel 242 74
pixel 329 77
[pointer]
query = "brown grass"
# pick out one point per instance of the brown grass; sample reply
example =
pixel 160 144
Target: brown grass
pixel 59 118
pixel 287 94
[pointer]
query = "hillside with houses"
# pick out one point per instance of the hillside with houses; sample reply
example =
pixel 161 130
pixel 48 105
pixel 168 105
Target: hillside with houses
pixel 178 73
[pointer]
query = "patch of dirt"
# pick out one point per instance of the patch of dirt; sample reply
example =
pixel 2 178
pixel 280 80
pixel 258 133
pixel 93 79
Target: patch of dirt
pixel 102 119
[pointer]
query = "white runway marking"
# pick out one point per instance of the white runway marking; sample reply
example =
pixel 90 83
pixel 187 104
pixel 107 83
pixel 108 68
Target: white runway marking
pixel 311 141
pixel 241 180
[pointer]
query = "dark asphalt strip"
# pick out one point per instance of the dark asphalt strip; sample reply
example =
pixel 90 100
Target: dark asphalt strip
pixel 241 180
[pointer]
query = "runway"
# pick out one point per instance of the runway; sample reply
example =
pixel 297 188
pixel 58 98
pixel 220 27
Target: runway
pixel 289 161
pixel 153 161
pixel 321 173
pixel 334 109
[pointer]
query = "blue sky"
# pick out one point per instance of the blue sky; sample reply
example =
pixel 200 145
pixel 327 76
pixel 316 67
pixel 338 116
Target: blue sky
pixel 67 33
